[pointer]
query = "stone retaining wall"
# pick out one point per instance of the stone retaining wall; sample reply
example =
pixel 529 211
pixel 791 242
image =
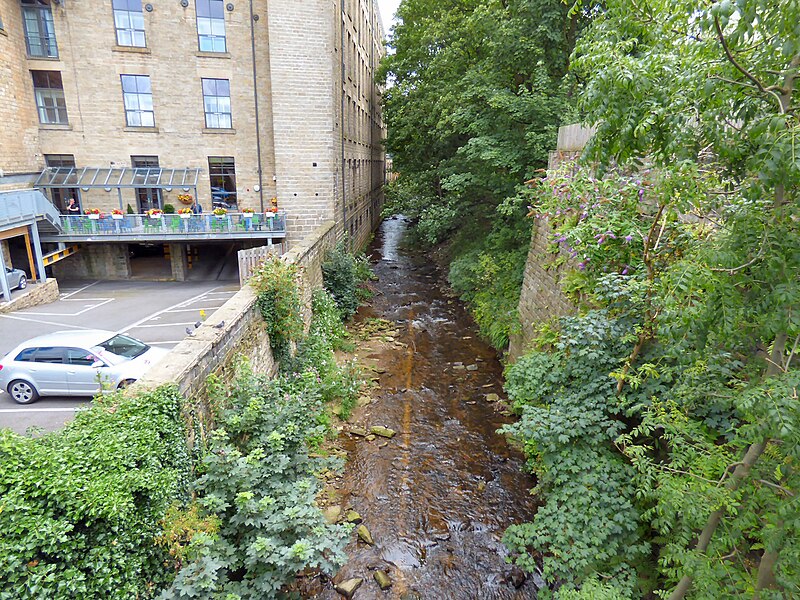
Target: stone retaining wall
pixel 235 329
pixel 35 294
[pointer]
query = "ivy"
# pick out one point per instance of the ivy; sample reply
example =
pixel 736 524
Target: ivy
pixel 277 284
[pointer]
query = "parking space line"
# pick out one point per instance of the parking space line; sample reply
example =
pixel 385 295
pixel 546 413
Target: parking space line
pixel 23 410
pixel 73 314
pixel 161 325
pixel 161 312
pixel 195 309
pixel 79 290
pixel 43 322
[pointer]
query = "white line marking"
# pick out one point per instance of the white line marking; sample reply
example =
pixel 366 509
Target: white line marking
pixel 74 314
pixel 35 410
pixel 162 311
pixel 164 343
pixel 79 290
pixel 45 322
pixel 195 309
pixel 160 325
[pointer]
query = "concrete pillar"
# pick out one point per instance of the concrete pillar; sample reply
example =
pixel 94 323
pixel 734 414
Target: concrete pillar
pixel 3 276
pixel 6 254
pixel 179 261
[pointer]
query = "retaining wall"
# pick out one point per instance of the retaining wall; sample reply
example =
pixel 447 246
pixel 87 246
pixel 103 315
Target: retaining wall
pixel 235 329
pixel 35 295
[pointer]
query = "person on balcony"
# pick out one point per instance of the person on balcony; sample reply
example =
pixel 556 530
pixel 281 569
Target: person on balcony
pixel 72 207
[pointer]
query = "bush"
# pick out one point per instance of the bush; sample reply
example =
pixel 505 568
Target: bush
pixel 343 274
pixel 277 285
pixel 259 482
pixel 169 209
pixel 80 508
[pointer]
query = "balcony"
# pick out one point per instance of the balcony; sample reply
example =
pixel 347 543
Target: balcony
pixel 169 227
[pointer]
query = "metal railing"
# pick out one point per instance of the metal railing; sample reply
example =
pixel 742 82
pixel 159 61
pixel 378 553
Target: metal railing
pixel 171 225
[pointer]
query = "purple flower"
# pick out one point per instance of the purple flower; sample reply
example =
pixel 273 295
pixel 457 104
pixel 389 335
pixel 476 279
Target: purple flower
pixel 628 238
pixel 625 270
pixel 581 265
pixel 641 194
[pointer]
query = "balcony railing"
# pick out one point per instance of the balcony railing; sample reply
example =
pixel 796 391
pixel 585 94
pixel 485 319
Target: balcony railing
pixel 167 226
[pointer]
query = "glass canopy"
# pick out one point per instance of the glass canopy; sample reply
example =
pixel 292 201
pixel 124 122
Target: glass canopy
pixel 122 177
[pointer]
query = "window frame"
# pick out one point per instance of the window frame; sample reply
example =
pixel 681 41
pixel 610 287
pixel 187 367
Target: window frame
pixel 216 169
pixel 42 93
pixel 217 114
pixel 45 25
pixel 208 19
pixel 138 95
pixel 131 29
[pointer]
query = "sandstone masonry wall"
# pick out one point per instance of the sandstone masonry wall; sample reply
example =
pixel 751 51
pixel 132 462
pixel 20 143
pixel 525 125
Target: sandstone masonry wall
pixel 35 295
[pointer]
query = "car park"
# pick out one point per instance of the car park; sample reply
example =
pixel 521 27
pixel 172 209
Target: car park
pixel 16 279
pixel 74 363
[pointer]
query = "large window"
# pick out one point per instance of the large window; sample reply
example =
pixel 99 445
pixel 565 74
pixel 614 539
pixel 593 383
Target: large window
pixel 49 95
pixel 40 34
pixel 222 175
pixel 217 103
pixel 146 197
pixel 138 99
pixel 211 25
pixel 129 22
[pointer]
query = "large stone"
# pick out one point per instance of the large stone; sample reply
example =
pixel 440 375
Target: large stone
pixel 382 579
pixel 472 367
pixel 492 398
pixel 332 513
pixel 353 517
pixel 359 431
pixel 364 535
pixel 349 587
pixel 383 431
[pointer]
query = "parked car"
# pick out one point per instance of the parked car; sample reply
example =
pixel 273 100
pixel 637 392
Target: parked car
pixel 16 279
pixel 74 363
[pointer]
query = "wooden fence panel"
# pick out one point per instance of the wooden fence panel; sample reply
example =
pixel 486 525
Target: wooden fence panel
pixel 250 259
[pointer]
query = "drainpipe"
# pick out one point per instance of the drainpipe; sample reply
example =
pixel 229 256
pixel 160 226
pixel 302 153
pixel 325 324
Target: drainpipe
pixel 255 101
pixel 341 126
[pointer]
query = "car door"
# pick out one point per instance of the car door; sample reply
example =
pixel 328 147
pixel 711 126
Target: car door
pixel 84 379
pixel 49 373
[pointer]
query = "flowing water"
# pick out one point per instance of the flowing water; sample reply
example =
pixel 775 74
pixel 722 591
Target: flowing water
pixel 438 496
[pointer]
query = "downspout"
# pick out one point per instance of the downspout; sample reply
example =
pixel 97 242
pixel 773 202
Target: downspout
pixel 341 67
pixel 255 102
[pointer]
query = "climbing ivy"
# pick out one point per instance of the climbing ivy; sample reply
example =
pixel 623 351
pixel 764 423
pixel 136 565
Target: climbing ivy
pixel 277 284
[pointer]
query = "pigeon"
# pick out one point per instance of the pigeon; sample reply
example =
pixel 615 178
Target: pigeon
pixel 219 325
pixel 189 331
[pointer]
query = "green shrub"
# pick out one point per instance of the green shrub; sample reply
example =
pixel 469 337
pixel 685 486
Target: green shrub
pixel 277 285
pixel 259 482
pixel 169 209
pixel 80 508
pixel 343 274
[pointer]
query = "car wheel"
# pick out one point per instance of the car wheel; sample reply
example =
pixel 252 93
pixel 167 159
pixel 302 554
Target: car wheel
pixel 125 383
pixel 22 392
pixel 23 282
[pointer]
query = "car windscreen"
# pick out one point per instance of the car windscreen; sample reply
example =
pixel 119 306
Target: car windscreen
pixel 124 346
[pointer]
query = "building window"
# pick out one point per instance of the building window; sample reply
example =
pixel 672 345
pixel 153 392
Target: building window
pixel 217 103
pixel 129 22
pixel 147 171
pixel 49 95
pixel 211 25
pixel 138 99
pixel 40 34
pixel 62 196
pixel 222 176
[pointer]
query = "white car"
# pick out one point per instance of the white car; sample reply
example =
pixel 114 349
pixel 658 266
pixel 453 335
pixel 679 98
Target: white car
pixel 74 363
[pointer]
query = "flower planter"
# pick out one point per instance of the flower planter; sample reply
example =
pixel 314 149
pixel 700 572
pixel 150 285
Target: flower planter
pixel 185 215
pixel 117 217
pixel 94 217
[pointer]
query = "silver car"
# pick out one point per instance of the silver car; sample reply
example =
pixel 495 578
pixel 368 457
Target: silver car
pixel 16 279
pixel 74 363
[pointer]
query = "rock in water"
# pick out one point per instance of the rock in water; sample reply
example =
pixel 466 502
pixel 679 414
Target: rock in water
pixel 364 535
pixel 382 431
pixel 472 367
pixel 353 517
pixel 359 431
pixel 382 579
pixel 349 587
pixel 492 398
pixel 332 513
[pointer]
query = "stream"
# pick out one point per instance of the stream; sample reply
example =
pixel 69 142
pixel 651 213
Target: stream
pixel 436 497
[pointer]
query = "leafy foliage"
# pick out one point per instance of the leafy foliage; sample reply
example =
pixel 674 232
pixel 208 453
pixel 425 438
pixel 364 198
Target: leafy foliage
pixel 277 285
pixel 80 509
pixel 343 275
pixel 259 482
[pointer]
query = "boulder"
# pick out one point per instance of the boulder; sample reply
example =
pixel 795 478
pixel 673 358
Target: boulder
pixel 349 587
pixel 332 513
pixel 382 579
pixel 492 398
pixel 383 431
pixel 353 517
pixel 364 535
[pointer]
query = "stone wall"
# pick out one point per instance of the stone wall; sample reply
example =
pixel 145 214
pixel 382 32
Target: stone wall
pixel 95 261
pixel 235 329
pixel 541 298
pixel 35 295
